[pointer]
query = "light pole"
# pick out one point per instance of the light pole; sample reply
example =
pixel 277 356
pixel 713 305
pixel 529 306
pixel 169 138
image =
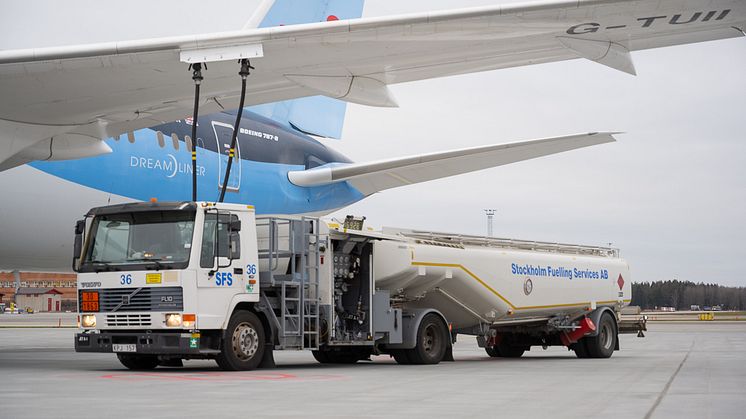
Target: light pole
pixel 490 216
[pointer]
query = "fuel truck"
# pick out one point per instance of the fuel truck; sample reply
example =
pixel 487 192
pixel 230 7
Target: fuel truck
pixel 161 282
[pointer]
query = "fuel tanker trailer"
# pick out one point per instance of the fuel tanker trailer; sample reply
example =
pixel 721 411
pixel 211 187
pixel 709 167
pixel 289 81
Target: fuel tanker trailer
pixel 163 282
pixel 511 294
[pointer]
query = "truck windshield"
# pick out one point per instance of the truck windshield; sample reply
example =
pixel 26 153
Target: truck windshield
pixel 140 240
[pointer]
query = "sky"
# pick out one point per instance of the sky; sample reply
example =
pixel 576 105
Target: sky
pixel 671 193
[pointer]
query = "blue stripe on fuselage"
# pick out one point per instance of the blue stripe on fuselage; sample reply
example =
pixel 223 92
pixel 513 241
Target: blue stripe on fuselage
pixel 143 170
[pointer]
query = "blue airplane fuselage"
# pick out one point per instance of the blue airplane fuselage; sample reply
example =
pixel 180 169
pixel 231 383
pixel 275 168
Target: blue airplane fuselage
pixel 156 163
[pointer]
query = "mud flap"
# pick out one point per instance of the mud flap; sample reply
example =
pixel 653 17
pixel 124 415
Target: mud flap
pixel 268 360
pixel 448 356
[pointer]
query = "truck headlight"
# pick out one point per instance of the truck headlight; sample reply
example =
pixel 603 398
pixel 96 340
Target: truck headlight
pixel 173 320
pixel 88 321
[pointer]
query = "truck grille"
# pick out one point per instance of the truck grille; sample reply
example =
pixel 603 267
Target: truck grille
pixel 139 299
pixel 128 320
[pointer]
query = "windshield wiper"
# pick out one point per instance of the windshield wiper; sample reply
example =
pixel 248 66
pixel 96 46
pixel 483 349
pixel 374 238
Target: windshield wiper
pixel 157 264
pixel 102 266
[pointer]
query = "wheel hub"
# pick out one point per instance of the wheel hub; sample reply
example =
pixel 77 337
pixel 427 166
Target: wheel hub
pixel 428 343
pixel 245 341
pixel 605 336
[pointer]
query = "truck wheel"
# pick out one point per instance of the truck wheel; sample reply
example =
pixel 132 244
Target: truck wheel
pixel 432 341
pixel 243 343
pixel 400 356
pixel 510 351
pixel 492 351
pixel 344 356
pixel 138 362
pixel 603 344
pixel 321 357
pixel 349 356
pixel 171 362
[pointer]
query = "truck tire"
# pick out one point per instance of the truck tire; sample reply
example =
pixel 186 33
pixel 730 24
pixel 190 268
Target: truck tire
pixel 400 356
pixel 432 341
pixel 507 350
pixel 138 362
pixel 603 344
pixel 243 343
pixel 344 356
pixel 321 357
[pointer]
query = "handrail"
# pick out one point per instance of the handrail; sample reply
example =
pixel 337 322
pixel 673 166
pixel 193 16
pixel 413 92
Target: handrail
pixel 484 241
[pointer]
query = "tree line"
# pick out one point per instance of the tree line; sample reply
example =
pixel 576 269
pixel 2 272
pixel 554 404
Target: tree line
pixel 684 294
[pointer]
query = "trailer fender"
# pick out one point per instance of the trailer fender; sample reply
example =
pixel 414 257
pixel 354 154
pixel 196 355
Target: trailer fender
pixel 595 317
pixel 411 320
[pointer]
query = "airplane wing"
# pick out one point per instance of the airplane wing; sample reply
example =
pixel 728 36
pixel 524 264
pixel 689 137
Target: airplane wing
pixel 373 177
pixel 58 103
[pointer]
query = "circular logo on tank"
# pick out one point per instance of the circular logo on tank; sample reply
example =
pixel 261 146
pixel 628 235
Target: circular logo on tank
pixel 528 286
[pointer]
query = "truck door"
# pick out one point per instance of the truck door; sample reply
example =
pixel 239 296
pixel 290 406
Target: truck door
pixel 223 135
pixel 221 262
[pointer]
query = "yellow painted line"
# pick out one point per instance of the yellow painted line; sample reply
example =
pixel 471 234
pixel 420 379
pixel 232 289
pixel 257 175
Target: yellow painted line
pixel 456 265
pixel 484 284
pixel 555 306
pixel 613 301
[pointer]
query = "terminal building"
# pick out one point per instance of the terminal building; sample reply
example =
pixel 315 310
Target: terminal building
pixel 39 299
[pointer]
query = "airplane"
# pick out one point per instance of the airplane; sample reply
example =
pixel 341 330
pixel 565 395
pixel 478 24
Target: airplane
pixel 106 105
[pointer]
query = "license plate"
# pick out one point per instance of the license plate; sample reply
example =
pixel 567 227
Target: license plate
pixel 124 348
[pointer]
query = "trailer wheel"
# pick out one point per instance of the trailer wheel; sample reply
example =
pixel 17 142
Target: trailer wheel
pixel 603 344
pixel 243 343
pixel 432 341
pixel 138 362
pixel 492 351
pixel 581 351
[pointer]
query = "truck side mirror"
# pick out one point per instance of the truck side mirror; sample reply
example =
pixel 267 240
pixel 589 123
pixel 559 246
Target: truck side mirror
pixel 235 225
pixel 235 245
pixel 78 244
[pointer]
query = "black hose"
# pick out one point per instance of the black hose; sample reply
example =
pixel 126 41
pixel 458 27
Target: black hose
pixel 245 66
pixel 197 77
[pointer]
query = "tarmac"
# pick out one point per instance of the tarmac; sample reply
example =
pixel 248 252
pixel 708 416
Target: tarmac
pixel 680 370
